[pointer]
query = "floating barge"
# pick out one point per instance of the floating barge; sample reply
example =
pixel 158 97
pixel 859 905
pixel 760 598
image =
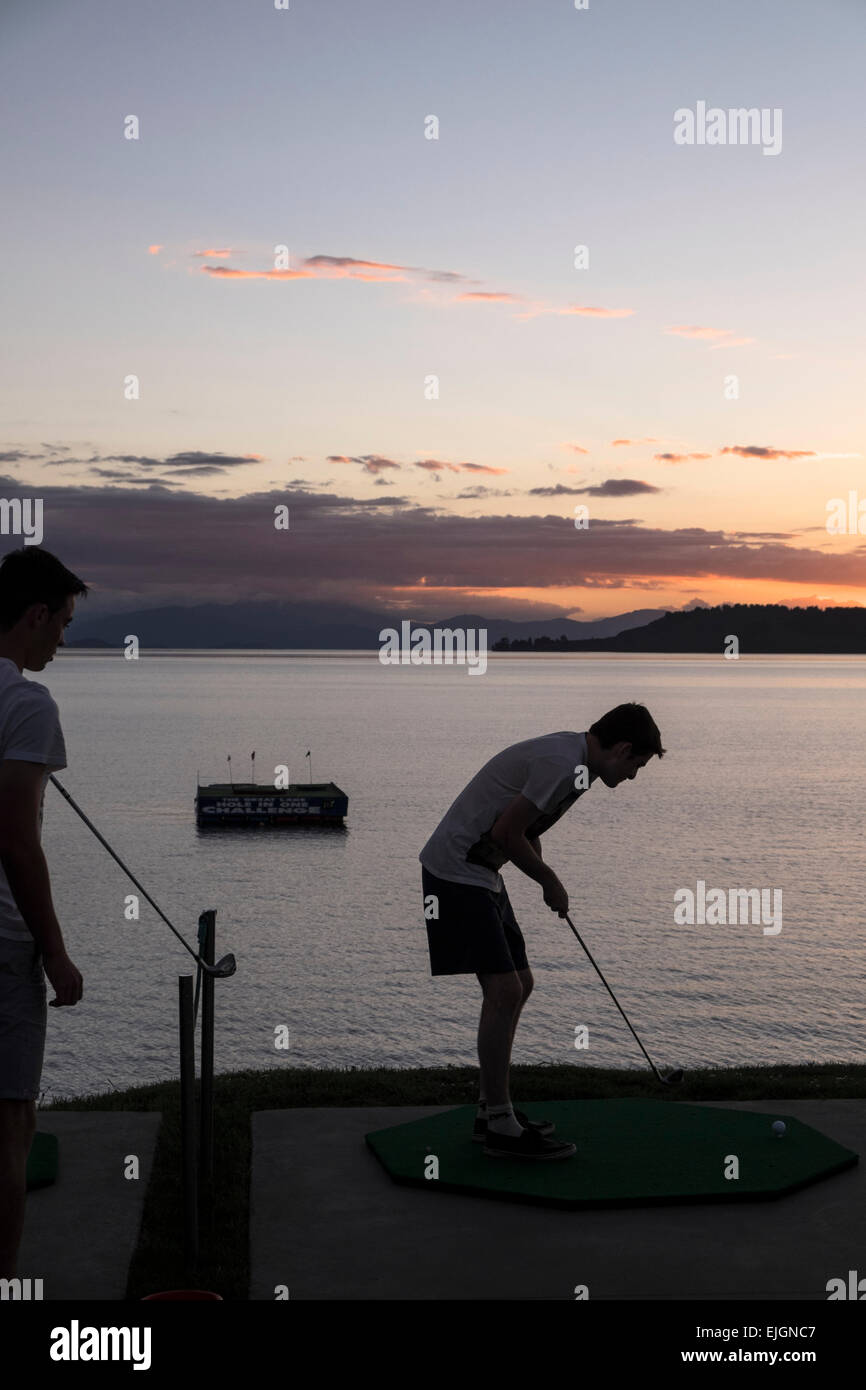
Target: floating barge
pixel 245 803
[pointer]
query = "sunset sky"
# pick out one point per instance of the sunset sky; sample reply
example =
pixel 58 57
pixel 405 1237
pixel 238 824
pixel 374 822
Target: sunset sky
pixel 454 258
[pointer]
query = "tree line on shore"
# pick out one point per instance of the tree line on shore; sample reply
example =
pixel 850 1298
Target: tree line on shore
pixel 758 628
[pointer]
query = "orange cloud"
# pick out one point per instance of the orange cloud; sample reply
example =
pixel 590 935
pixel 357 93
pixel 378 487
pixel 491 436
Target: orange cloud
pixel 679 458
pixel 763 451
pixel 315 268
pixel 347 267
pixel 155 249
pixel 724 336
pixel 494 297
pixel 596 313
pixel 611 487
pixel 387 272
pixel 438 466
pixel 375 464
pixel 338 268
pixel 225 272
pixel 575 448
pixel 480 468
pixel 615 442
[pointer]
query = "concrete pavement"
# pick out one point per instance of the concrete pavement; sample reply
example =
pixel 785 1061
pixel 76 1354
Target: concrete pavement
pixel 327 1222
pixel 80 1233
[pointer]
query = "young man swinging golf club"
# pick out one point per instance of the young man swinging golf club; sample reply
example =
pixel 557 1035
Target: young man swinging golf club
pixel 471 929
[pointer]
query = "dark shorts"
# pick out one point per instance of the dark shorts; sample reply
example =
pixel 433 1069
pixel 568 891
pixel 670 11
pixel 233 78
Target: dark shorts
pixel 23 1016
pixel 476 932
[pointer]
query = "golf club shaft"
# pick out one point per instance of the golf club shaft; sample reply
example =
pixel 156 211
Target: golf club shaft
pixel 613 996
pixel 128 873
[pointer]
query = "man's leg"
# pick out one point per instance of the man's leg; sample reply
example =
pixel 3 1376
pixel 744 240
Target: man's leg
pixel 526 982
pixel 17 1126
pixel 503 1000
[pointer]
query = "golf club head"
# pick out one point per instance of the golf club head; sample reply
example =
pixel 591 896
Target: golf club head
pixel 673 1078
pixel 226 965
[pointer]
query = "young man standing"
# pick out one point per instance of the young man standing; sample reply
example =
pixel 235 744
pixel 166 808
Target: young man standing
pixel 37 597
pixel 471 928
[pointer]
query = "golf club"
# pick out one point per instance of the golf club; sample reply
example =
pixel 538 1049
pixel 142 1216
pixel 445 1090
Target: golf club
pixel 226 965
pixel 673 1077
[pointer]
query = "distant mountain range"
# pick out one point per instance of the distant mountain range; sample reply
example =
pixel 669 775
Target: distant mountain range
pixel 272 626
pixel 320 627
pixel 758 627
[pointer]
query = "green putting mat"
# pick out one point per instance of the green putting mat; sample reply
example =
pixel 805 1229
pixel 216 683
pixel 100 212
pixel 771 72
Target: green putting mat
pixel 629 1153
pixel 42 1160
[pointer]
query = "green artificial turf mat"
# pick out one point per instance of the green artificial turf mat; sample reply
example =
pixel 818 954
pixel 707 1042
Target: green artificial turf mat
pixel 629 1153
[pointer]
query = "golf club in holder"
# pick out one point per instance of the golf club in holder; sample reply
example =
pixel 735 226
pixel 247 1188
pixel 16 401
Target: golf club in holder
pixel 197 1142
pixel 197 1138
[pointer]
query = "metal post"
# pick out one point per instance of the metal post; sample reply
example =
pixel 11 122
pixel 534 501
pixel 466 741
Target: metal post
pixel 187 1118
pixel 207 939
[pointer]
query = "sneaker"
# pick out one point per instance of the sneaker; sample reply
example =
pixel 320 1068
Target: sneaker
pixel 543 1127
pixel 529 1144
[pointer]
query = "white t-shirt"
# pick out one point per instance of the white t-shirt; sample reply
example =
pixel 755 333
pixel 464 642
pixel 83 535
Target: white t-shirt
pixel 29 732
pixel 543 770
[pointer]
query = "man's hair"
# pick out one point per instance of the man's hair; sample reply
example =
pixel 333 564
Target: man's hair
pixel 629 724
pixel 33 575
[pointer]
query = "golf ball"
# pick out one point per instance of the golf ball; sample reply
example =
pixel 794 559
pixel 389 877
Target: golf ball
pixel 778 1128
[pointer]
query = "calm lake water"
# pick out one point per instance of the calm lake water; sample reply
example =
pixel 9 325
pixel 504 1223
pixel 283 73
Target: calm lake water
pixel 762 787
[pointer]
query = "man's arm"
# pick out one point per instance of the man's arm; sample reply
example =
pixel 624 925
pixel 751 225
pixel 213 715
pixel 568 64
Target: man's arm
pixel 509 832
pixel 26 871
